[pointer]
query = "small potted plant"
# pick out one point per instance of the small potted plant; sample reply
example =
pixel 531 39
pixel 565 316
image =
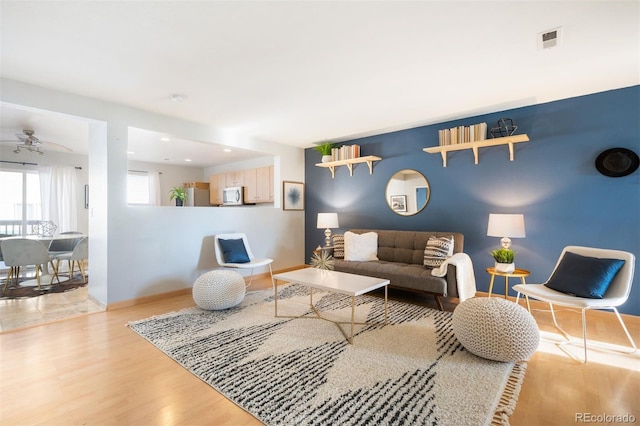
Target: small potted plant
pixel 325 149
pixel 504 260
pixel 179 194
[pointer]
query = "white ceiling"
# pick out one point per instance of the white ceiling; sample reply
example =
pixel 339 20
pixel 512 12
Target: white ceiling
pixel 298 73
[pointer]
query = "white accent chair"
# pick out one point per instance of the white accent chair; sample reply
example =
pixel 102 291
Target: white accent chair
pixel 253 262
pixel 616 294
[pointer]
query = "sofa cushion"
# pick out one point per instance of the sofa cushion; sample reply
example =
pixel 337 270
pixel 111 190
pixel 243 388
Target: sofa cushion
pixel 360 247
pixel 338 246
pixel 401 275
pixel 437 250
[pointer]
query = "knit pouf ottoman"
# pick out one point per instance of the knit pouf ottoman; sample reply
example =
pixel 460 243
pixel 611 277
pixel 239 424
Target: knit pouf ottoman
pixel 495 329
pixel 218 290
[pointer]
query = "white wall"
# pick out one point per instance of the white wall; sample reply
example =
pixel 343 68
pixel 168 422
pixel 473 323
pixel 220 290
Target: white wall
pixel 140 251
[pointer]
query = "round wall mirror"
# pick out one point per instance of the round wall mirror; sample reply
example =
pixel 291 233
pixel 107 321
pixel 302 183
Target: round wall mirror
pixel 407 192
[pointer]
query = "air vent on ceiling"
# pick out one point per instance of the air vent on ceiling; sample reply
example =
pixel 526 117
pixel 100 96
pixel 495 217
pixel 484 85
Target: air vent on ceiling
pixel 550 38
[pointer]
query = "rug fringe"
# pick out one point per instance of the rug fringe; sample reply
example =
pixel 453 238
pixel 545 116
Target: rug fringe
pixel 507 403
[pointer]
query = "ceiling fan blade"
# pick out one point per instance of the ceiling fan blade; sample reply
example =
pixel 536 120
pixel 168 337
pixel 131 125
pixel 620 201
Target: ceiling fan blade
pixel 27 140
pixel 54 146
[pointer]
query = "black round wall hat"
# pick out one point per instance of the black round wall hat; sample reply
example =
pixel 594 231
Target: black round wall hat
pixel 617 162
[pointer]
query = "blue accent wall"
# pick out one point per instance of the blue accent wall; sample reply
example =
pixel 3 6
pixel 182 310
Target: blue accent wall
pixel 552 181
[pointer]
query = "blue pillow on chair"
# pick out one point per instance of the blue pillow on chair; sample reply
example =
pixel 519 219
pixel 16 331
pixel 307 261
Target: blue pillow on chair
pixel 584 276
pixel 234 251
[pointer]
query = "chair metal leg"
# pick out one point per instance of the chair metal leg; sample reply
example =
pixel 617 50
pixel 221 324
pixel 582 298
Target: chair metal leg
pixel 38 273
pixel 55 272
pixel 81 267
pixel 584 331
pixel 9 276
pixel 273 283
pixel 567 336
pixel 624 327
pixel 250 279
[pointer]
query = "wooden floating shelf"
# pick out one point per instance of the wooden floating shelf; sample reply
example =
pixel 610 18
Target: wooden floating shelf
pixel 331 165
pixel 508 140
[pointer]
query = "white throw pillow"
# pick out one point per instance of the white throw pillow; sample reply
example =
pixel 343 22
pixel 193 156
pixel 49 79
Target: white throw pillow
pixel 360 247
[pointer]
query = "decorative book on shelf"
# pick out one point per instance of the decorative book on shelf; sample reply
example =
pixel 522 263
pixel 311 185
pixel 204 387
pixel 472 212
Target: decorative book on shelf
pixel 345 152
pixel 462 134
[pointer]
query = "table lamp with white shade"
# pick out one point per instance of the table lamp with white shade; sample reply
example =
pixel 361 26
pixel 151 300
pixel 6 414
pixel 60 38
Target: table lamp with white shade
pixel 327 221
pixel 506 226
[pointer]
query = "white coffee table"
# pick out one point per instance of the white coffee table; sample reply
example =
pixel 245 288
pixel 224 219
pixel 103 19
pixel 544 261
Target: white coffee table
pixel 337 282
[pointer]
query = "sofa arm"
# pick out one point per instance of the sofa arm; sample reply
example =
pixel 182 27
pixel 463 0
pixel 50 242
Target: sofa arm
pixel 452 281
pixel 462 269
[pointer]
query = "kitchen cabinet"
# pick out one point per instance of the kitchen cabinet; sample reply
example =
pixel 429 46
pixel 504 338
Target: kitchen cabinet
pixel 258 185
pixel 234 178
pixel 216 186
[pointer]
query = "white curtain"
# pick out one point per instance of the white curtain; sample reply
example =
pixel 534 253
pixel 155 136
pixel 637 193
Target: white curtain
pixel 155 192
pixel 58 190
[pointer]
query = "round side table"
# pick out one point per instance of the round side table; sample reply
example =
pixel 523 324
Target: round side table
pixel 518 273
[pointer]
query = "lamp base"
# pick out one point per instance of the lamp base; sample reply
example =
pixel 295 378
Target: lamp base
pixel 506 242
pixel 327 237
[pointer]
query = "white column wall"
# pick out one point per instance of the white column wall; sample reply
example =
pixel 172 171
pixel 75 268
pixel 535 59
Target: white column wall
pixel 141 251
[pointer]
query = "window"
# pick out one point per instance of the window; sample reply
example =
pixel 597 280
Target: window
pixel 138 188
pixel 20 205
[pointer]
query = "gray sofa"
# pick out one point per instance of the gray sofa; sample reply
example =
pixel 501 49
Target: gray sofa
pixel 401 261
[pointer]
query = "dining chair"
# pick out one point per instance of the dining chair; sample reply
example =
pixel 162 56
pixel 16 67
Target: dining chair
pixel 586 271
pixel 64 244
pixel 233 251
pixel 19 252
pixel 77 256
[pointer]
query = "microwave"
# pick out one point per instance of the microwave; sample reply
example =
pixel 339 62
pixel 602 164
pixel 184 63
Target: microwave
pixel 233 196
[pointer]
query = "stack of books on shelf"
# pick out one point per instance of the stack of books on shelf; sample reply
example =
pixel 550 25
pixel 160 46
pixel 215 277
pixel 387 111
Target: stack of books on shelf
pixel 463 134
pixel 345 152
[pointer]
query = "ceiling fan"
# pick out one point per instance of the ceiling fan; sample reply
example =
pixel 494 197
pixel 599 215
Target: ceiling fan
pixel 27 141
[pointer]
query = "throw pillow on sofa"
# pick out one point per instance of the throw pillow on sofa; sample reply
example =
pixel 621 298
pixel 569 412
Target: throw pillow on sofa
pixel 437 250
pixel 338 246
pixel 360 247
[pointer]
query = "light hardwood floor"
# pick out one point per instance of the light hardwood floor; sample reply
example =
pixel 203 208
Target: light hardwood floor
pixel 19 313
pixel 93 370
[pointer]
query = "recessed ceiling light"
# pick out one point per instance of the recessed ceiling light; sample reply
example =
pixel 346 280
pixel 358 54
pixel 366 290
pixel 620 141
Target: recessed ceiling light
pixel 226 150
pixel 178 98
pixel 165 139
pixel 130 152
pixel 187 159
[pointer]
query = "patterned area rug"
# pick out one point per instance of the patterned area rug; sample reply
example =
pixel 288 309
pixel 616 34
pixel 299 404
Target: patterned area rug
pixel 302 371
pixel 29 288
